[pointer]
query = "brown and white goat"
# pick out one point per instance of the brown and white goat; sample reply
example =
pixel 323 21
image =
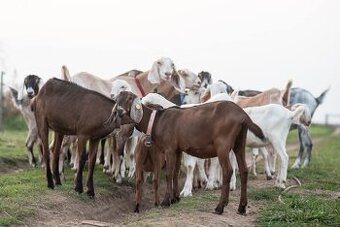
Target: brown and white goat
pixel 148 159
pixel 175 129
pixel 69 109
pixel 22 100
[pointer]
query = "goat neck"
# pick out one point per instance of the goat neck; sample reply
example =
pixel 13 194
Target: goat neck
pixel 142 126
pixel 146 85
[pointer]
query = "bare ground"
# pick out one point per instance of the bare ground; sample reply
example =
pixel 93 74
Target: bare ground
pixel 117 210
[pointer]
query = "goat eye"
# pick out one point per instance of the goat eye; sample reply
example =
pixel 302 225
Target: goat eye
pixel 159 63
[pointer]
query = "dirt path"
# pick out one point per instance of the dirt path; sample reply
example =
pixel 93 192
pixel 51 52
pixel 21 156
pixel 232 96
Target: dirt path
pixel 117 208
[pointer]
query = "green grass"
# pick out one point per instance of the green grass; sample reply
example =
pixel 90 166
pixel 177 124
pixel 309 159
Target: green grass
pixel 323 172
pixel 14 122
pixel 316 209
pixel 302 211
pixel 22 192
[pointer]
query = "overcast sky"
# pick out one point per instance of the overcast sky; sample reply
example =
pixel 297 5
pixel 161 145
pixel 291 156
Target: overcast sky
pixel 249 44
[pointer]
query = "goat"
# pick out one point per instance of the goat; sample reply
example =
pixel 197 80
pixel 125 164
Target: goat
pixel 269 96
pixel 28 90
pixel 173 131
pixel 148 159
pixel 162 76
pixel 124 136
pixel 142 83
pixel 275 122
pixel 205 78
pixel 300 95
pixel 188 162
pixel 78 119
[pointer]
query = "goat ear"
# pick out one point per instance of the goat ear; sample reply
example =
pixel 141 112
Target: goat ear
pixel 136 112
pixel 177 81
pixel 21 93
pixel 153 75
pixel 206 95
pixel 234 95
pixel 112 118
pixel 297 113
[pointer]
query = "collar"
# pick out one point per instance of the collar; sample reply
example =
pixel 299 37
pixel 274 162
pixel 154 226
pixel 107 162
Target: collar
pixel 151 121
pixel 148 139
pixel 181 98
pixel 141 90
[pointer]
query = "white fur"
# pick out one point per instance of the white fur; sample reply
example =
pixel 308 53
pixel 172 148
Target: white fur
pixel 119 86
pixel 275 121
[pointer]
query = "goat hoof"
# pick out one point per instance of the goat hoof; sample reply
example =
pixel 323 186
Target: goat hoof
pixel 51 186
pixel 219 210
pixel 79 189
pixel 137 208
pixel 269 177
pixel 175 200
pixel 241 210
pixel 90 193
pixel 57 181
pixel 166 203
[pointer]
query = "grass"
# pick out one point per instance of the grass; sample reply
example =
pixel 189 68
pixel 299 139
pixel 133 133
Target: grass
pixel 322 176
pixel 302 211
pixel 22 192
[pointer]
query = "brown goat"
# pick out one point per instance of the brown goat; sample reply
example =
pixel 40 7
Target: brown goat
pixel 148 159
pixel 69 109
pixel 204 131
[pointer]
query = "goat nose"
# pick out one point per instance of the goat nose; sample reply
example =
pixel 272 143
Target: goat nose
pixel 120 112
pixel 167 74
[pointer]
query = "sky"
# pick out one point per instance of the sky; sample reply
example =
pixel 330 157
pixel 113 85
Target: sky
pixel 249 44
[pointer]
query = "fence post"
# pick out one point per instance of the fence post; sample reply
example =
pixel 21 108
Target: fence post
pixel 1 100
pixel 326 119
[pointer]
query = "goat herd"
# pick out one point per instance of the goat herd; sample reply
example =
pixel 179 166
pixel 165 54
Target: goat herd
pixel 163 117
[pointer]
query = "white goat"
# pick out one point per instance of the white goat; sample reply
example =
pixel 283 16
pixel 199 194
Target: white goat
pixel 269 96
pixel 275 121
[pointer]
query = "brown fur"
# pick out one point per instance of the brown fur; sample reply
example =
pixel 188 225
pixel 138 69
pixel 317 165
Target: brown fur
pixel 69 109
pixel 273 96
pixel 225 127
pixel 148 159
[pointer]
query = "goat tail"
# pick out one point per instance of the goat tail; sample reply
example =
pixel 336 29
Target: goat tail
pixel 322 96
pixel 285 93
pixel 65 74
pixel 254 128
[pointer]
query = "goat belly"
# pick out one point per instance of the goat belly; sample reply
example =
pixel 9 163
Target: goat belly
pixel 209 152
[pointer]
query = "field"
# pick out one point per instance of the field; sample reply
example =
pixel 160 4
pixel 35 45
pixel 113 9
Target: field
pixel 25 199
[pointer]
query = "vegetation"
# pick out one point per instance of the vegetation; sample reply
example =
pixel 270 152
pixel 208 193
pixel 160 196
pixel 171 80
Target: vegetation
pixel 314 203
